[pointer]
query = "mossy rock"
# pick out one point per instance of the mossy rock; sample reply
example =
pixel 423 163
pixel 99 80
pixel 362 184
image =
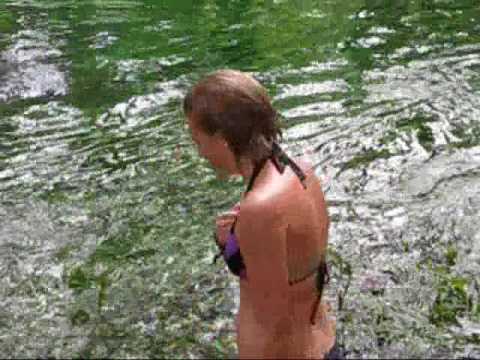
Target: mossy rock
pixel 113 249
pixel 418 125
pixel 366 158
pixel 80 317
pixel 469 138
pixel 65 252
pixel 451 301
pixel 389 137
pixel 79 279
pixel 451 255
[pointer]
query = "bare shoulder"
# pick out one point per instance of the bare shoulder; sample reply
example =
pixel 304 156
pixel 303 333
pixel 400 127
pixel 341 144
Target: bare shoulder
pixel 311 200
pixel 263 206
pixel 275 197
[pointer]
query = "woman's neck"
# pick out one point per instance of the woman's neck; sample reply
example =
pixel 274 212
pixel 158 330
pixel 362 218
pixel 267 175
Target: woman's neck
pixel 251 174
pixel 246 169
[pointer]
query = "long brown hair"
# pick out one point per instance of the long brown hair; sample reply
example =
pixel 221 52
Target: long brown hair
pixel 237 106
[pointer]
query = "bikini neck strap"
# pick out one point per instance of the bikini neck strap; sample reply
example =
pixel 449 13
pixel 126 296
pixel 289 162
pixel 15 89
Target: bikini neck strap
pixel 285 160
pixel 256 171
pixel 280 159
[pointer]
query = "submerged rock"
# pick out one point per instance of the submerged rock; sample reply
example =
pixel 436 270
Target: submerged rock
pixel 27 69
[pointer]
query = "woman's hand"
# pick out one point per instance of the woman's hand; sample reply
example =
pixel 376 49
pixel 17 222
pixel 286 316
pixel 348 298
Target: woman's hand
pixel 223 223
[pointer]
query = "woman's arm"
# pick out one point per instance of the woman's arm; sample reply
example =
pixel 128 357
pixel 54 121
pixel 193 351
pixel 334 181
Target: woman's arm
pixel 261 231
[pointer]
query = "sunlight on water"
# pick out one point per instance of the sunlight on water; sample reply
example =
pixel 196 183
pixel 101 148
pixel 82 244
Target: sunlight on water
pixel 106 210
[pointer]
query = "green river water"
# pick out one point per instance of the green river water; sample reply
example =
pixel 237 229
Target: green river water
pixel 106 210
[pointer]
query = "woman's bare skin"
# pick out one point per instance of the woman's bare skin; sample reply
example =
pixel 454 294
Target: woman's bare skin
pixel 308 223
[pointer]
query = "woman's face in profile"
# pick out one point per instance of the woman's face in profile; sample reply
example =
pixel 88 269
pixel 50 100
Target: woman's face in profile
pixel 212 148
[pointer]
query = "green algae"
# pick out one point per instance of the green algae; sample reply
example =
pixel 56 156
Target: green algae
pixel 452 300
pixel 65 252
pixel 418 125
pixel 366 158
pixel 469 137
pixel 80 279
pixel 80 317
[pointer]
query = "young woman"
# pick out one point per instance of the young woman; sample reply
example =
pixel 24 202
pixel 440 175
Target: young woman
pixel 277 242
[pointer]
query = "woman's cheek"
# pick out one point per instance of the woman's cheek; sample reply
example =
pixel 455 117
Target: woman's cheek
pixel 202 152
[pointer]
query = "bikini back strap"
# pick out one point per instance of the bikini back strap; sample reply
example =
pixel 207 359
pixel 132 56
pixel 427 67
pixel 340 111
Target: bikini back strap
pixel 323 277
pixel 278 153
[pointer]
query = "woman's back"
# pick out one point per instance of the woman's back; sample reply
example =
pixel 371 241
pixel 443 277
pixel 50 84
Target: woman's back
pixel 307 232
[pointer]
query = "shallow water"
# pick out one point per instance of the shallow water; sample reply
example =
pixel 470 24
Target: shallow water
pixel 106 210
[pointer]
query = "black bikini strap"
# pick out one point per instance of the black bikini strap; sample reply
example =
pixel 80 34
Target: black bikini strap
pixel 278 153
pixel 256 171
pixel 283 160
pixel 323 277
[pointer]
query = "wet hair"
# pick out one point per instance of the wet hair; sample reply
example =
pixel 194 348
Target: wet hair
pixel 236 106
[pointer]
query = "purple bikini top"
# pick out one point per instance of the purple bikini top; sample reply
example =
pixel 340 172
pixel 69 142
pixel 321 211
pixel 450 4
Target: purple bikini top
pixel 231 252
pixel 233 256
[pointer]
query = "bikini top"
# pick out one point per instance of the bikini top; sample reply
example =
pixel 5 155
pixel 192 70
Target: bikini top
pixel 231 252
